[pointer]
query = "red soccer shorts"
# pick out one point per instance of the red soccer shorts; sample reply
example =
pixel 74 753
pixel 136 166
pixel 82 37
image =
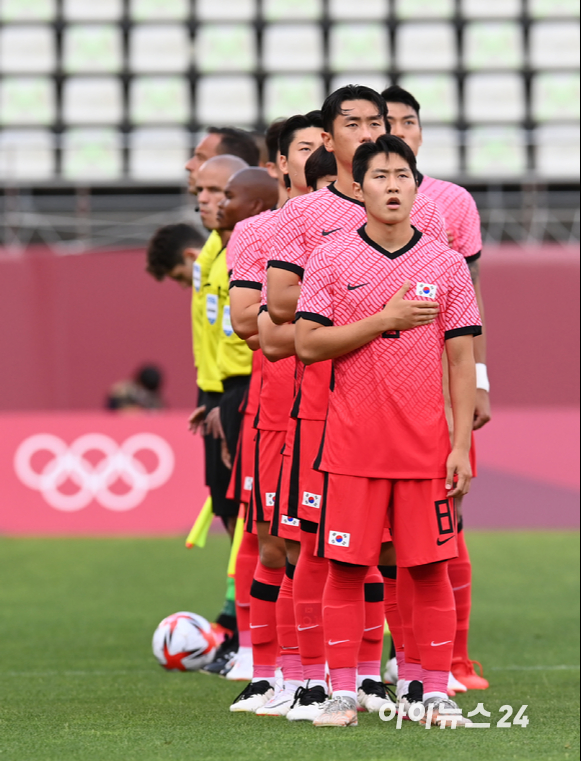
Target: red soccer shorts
pixel 356 511
pixel 302 486
pixel 267 465
pixel 240 488
pixel 284 524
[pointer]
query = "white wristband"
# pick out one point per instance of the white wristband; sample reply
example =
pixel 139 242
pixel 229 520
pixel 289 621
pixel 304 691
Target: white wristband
pixel 482 381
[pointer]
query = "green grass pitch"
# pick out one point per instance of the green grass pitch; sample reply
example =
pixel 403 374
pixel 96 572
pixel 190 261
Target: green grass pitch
pixel 78 680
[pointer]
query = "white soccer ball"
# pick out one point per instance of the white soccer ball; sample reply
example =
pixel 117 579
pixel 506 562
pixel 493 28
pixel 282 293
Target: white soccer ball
pixel 184 642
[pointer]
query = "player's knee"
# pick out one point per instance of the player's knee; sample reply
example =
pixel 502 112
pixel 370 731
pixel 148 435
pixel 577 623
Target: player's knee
pixel 273 554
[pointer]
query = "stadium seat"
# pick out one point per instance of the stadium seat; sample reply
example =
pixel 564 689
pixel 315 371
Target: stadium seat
pixel 426 47
pixel 27 100
pixel 554 45
pixel 377 82
pixel 475 9
pixel 421 9
pixel 299 10
pixel 158 154
pixel 27 49
pixel 494 45
pixel 227 100
pixel 90 155
pixel 437 93
pixel 159 10
pixel 293 47
pixel 556 96
pixel 286 95
pixel 497 152
pixel 160 48
pixel 102 10
pixel 226 10
pixel 92 100
pixel 27 155
pixel 558 152
pixel 359 47
pixel 495 98
pixel 225 47
pixel 92 48
pixel 347 9
pixel 554 8
pixel 439 155
pixel 159 100
pixel 27 10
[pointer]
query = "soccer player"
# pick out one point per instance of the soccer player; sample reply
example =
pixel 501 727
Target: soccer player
pixel 352 116
pixel 464 232
pixel 382 303
pixel 321 169
pixel 271 602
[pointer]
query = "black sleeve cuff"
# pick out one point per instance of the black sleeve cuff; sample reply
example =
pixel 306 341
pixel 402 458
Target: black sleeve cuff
pixel 473 258
pixel 469 330
pixel 314 318
pixel 263 308
pixel 275 264
pixel 246 284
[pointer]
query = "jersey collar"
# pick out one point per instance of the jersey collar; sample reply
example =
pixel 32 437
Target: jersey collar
pixel 391 255
pixel 334 190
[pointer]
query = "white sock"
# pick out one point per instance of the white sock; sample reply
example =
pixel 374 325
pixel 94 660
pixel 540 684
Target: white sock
pixel 345 694
pixel 244 652
pixel 291 685
pixel 403 686
pixel 439 695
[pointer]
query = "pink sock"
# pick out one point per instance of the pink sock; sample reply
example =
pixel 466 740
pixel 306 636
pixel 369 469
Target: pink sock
pixel 400 657
pixel 245 639
pixel 413 672
pixel 292 668
pixel 371 668
pixel 263 672
pixel 315 672
pixel 435 681
pixel 344 680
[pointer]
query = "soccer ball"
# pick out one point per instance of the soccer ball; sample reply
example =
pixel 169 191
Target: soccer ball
pixel 184 642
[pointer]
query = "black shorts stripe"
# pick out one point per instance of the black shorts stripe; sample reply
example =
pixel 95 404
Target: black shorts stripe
pixel 276 517
pixel 293 491
pixel 258 506
pixel 374 592
pixel 322 524
pixel 266 592
pixel 317 463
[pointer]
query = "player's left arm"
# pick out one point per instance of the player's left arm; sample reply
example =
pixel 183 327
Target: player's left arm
pixel 482 409
pixel 276 341
pixel 462 377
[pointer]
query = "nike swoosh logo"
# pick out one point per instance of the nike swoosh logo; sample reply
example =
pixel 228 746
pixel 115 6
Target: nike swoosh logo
pixel 373 628
pixel 264 626
pixel 242 604
pixel 330 232
pixel 442 543
pixel 306 628
pixel 441 644
pixel 355 287
pixel 457 589
pixel 341 642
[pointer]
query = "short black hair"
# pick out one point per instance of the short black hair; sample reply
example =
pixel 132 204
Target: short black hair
pixel 332 106
pixel 387 144
pixel 272 139
pixel 396 94
pixel 320 164
pixel 237 142
pixel 166 248
pixel 296 124
pixel 150 377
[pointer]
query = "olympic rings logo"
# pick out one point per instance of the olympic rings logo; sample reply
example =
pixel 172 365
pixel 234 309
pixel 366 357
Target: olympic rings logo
pixel 94 482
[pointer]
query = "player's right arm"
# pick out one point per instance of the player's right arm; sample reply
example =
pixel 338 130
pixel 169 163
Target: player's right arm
pixel 287 262
pixel 276 341
pixel 246 284
pixel 244 306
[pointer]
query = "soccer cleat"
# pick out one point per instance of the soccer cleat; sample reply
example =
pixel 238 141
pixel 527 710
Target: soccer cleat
pixel 256 695
pixel 454 686
pixel 444 713
pixel 391 672
pixel 413 696
pixel 338 712
pixel 224 655
pixel 372 696
pixel 309 704
pixel 281 703
pixel 465 673
pixel 242 668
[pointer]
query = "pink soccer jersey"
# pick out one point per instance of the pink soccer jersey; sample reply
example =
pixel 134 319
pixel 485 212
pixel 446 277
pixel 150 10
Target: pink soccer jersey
pixel 460 215
pixel 249 271
pixel 304 224
pixel 386 415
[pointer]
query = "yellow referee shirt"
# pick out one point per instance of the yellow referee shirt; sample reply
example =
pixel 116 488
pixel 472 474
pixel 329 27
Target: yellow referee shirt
pixel 205 348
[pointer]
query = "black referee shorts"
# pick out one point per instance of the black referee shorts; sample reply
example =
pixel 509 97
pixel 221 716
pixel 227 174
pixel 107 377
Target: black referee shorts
pixel 217 474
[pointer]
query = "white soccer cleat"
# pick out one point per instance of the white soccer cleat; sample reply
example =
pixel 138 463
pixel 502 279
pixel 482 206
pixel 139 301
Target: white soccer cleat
pixel 443 713
pixel 373 696
pixel 255 696
pixel 281 703
pixel 391 672
pixel 409 694
pixel 454 686
pixel 309 704
pixel 242 668
pixel 338 712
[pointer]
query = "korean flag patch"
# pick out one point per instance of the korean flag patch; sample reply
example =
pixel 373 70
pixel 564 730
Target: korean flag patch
pixel 248 482
pixel 339 538
pixel 286 520
pixel 426 291
pixel 270 497
pixel 312 500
